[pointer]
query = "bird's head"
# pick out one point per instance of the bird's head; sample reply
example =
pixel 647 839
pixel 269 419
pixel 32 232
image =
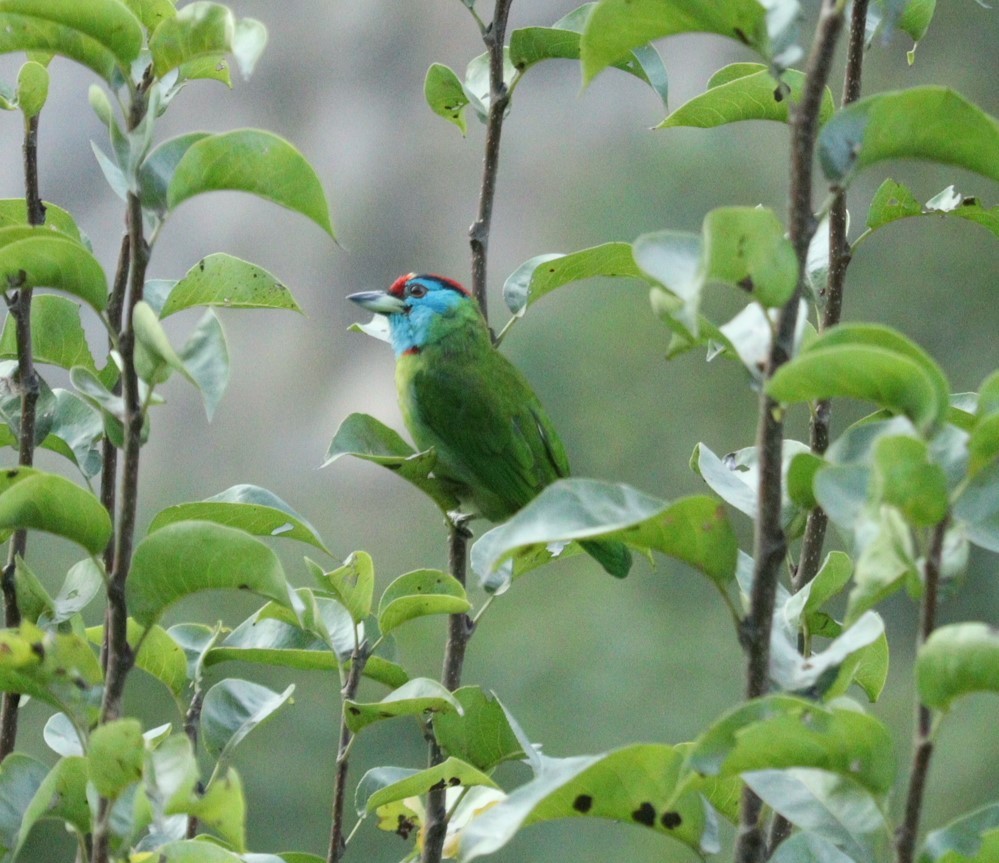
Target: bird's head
pixel 415 307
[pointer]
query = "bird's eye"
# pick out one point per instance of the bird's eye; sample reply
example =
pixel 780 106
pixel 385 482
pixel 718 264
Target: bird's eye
pixel 417 291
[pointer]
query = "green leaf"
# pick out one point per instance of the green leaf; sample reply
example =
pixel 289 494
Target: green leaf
pixel 353 583
pixel 35 500
pixel 155 357
pixel 116 753
pixel 33 599
pixel 172 774
pixel 190 556
pixel 203 29
pixel 222 808
pixel 886 560
pixel 419 593
pixel 250 160
pixel 445 95
pixel 57 335
pixel 617 26
pixel 13 211
pixel 805 606
pixel 640 784
pixel 84 581
pixel 32 88
pixel 956 660
pixel 871 362
pixel 232 709
pixel 905 477
pixel 62 795
pixel 48 259
pixel 781 731
pixel 382 785
pixel 20 778
pixel 809 848
pixel 893 201
pixel 481 733
pixel 544 273
pixel 100 34
pixel 225 281
pixel 157 169
pixel 414 698
pixel 835 808
pixel 932 123
pixel 745 91
pixel 972 838
pixel 195 851
pixel 160 656
pixel 250 508
pixel 206 357
pixel 364 437
pixel 977 508
pixel 151 12
pixel 694 529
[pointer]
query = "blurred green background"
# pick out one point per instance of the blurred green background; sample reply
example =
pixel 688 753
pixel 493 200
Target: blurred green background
pixel 584 662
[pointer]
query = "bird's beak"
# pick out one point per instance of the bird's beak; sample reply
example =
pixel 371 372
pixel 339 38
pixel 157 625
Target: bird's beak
pixel 380 302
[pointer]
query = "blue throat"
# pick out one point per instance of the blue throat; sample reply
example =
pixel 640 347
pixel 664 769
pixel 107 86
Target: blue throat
pixel 411 332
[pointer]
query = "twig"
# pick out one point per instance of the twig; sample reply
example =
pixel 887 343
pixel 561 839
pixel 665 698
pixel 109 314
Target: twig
pixel 338 843
pixel 905 840
pixel 839 259
pixel 499 97
pixel 769 541
pixel 20 309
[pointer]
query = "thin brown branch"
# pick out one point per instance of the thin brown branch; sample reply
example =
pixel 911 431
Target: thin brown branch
pixel 20 310
pixel 769 541
pixel 499 98
pixel 908 831
pixel 338 843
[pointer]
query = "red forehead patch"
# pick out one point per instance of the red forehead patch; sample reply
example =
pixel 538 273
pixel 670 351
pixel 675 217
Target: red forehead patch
pixel 398 288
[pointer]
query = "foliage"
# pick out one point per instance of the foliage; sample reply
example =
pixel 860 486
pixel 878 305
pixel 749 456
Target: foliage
pixel 909 488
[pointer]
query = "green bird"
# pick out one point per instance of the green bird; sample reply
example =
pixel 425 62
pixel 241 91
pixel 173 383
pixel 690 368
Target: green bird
pixel 496 446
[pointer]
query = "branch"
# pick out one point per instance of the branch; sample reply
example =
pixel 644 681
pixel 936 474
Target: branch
pixel 769 541
pixel 499 97
pixel 905 840
pixel 20 309
pixel 839 259
pixel 338 843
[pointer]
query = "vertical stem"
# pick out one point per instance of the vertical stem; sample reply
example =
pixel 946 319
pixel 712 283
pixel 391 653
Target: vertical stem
pixel 908 831
pixel 499 97
pixel 349 689
pixel 769 541
pixel 20 309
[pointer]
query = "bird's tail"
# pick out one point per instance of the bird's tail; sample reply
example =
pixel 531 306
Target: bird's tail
pixel 614 557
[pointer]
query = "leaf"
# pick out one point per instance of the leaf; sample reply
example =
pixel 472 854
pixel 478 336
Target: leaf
pixel 353 583
pixel 870 362
pixel 893 201
pixel 835 808
pixel 544 273
pixel 50 260
pixel 977 508
pixel 20 778
pixel 956 660
pixel 972 838
pixel 414 698
pixel 250 508
pixel 364 437
pixel 32 88
pixel 445 95
pixel 232 709
pixel 157 169
pixel 745 91
pixel 894 125
pixel 206 357
pixel 885 561
pixel 100 34
pixel 640 784
pixel 617 26
pixel 808 848
pixel 481 733
pixel 382 785
pixel 804 606
pixel 203 29
pixel 781 731
pixel 61 737
pixel 84 581
pixel 226 281
pixel 61 795
pixel 222 808
pixel 190 556
pixel 419 593
pixel 14 211
pixel 57 335
pixel 116 754
pixel 694 529
pixel 35 500
pixel 155 357
pixel 250 160
pixel 906 478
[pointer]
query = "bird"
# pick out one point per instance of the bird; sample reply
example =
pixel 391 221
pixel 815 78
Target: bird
pixel 496 446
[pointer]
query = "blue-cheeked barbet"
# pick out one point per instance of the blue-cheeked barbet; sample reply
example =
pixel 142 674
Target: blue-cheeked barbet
pixel 496 447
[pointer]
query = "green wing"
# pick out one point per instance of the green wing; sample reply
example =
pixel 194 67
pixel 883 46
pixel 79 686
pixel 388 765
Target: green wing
pixel 490 431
